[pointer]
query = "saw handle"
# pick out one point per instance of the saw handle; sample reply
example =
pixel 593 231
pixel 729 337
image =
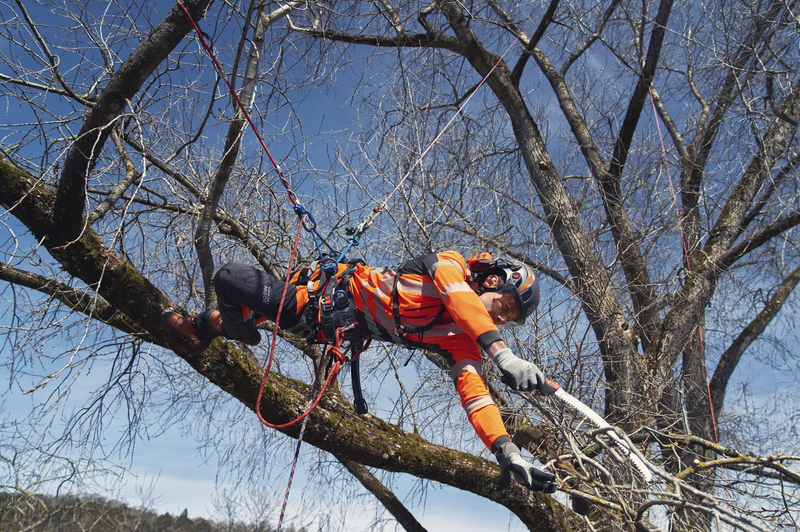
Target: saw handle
pixel 548 388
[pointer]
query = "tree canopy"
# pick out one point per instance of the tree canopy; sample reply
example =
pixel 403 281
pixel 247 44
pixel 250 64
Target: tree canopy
pixel 641 157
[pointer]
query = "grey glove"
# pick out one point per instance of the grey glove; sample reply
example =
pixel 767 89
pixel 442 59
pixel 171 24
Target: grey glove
pixel 531 477
pixel 518 374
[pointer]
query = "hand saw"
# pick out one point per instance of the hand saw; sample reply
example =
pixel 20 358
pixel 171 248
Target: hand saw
pixel 553 388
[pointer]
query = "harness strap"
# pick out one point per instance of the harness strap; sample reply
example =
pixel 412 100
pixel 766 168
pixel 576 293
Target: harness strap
pixel 306 275
pixel 355 380
pixel 401 329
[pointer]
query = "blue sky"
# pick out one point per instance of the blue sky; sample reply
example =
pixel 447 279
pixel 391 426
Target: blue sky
pixel 171 474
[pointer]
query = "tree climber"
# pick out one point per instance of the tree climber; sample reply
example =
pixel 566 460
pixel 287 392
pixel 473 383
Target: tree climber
pixel 438 302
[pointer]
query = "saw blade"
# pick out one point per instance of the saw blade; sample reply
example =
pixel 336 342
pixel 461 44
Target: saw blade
pixel 601 423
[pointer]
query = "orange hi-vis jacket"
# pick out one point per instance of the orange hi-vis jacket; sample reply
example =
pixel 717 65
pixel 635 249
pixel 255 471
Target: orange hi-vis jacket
pixel 434 289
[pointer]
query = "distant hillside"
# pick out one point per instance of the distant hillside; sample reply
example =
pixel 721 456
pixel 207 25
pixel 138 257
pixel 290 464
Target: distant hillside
pixel 20 513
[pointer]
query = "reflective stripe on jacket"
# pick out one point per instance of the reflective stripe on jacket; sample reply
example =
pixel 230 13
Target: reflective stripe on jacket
pixel 426 283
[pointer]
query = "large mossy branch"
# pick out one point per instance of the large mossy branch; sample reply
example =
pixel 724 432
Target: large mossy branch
pixel 333 426
pixel 78 300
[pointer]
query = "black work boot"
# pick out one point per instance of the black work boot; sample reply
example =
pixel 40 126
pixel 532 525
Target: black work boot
pixel 185 328
pixel 203 328
pixel 207 327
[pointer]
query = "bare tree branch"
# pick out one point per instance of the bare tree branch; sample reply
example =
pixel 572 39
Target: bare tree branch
pixel 86 303
pixel 730 358
pixel 70 203
pixel 387 498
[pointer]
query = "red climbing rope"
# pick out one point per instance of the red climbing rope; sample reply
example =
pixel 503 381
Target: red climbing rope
pixel 221 74
pixel 686 259
pixel 334 350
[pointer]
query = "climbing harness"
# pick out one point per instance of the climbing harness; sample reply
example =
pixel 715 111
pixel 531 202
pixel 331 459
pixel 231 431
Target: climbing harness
pixel 332 305
pixel 334 309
